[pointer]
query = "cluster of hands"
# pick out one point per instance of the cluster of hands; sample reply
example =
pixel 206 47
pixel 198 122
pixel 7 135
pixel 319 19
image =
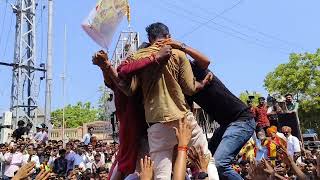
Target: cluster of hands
pixel 196 155
pixel 27 170
pixel 100 58
pixel 162 56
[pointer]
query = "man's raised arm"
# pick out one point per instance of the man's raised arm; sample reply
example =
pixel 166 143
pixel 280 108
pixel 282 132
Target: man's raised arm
pixel 199 58
pixel 123 77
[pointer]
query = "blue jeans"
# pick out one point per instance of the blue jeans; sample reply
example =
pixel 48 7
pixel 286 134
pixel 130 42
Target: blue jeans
pixel 231 139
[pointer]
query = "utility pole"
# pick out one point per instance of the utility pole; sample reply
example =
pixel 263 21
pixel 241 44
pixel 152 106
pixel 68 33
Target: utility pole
pixel 24 88
pixel 63 77
pixel 49 66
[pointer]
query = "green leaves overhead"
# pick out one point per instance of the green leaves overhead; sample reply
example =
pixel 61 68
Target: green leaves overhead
pixel 300 76
pixel 75 115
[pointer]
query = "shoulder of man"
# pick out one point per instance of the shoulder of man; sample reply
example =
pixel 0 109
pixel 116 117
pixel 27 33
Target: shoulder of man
pixel 144 52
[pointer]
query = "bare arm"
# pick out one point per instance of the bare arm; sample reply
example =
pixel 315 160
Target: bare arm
pixel 200 59
pixel 110 75
pixel 289 161
pixel 183 133
pixel 186 79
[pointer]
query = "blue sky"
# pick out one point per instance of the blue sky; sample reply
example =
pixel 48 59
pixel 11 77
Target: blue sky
pixel 244 43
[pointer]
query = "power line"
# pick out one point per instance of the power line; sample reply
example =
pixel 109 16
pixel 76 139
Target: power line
pixel 225 32
pixel 3 20
pixel 41 36
pixel 190 13
pixel 204 23
pixel 7 38
pixel 267 35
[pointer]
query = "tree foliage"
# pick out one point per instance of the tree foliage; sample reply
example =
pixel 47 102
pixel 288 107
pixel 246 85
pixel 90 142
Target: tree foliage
pixel 301 77
pixel 244 96
pixel 102 103
pixel 75 115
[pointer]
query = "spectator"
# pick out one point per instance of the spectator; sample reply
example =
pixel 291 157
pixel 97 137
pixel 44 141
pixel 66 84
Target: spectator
pixel 87 137
pixel 244 165
pixel 2 159
pixel 99 150
pixel 53 156
pixel 38 135
pixel 261 115
pixel 96 163
pixel 273 112
pixel 78 159
pixel 21 130
pixel 40 153
pixel 44 135
pixel 31 156
pixel 251 107
pixel 273 142
pixel 70 156
pixel 291 106
pixel 60 164
pixel 14 159
pixel 261 150
pixel 102 173
pixel 293 144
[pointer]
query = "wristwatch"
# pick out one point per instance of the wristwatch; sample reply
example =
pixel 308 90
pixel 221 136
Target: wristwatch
pixel 183 47
pixel 202 175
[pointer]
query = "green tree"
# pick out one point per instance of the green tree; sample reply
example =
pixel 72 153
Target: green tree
pixel 244 96
pixel 75 115
pixel 301 77
pixel 102 103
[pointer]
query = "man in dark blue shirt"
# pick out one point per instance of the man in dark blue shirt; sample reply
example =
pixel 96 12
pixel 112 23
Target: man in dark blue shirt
pixel 60 164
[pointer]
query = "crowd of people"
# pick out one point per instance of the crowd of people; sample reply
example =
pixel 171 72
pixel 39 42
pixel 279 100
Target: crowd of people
pixel 75 159
pixel 155 89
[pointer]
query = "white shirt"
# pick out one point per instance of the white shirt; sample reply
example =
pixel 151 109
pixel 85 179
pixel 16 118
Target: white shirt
pixel 14 162
pixel 38 136
pixel 111 108
pixel 34 158
pixel 282 136
pixel 44 137
pixel 51 160
pixel 89 159
pixel 102 160
pixel 293 145
pixel 86 138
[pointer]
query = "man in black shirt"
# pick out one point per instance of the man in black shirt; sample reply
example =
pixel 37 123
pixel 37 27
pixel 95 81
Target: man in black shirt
pixel 60 164
pixel 21 130
pixel 236 121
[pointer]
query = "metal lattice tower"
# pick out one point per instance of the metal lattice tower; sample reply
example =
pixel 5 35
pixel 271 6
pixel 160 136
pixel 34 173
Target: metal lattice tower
pixel 127 44
pixel 24 91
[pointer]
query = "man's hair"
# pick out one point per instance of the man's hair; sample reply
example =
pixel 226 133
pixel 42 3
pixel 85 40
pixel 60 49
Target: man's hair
pixel 157 30
pixel 102 169
pixel 289 94
pixel 244 162
pixel 97 155
pixel 62 151
pixel 21 123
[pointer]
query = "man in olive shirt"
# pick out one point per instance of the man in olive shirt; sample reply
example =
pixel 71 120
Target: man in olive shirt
pixel 163 89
